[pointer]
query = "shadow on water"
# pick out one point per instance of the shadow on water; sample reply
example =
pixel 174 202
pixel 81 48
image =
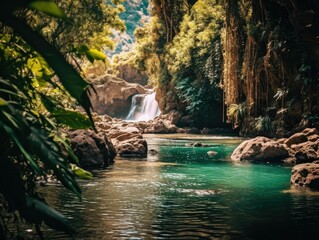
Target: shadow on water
pixel 183 193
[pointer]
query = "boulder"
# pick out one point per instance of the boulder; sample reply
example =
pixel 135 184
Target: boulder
pixel 306 175
pixel 113 95
pixel 306 155
pixel 310 131
pixel 131 74
pixel 132 148
pixel 160 126
pixel 260 149
pixel 173 117
pixel 212 153
pixel 296 139
pixel 92 149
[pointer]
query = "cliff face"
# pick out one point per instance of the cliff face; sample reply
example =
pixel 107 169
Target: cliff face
pixel 113 95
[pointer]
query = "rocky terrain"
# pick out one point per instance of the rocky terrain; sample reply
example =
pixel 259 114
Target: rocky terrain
pixel 113 95
pixel 301 148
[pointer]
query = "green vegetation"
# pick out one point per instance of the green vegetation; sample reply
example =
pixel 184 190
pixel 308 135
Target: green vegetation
pixel 39 93
pixel 205 56
pixel 253 64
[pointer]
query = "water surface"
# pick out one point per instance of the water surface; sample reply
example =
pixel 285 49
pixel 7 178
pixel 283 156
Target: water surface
pixel 182 193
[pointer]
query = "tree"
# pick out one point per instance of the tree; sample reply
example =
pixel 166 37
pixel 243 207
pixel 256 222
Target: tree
pixel 32 67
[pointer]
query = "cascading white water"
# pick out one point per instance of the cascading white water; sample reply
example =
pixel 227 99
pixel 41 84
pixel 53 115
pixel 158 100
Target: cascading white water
pixel 144 107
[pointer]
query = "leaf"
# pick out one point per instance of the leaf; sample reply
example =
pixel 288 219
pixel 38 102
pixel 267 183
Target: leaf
pixel 94 54
pixel 11 184
pixel 47 7
pixel 49 153
pixel 62 141
pixel 73 119
pixel 3 102
pixel 69 77
pixel 25 153
pixel 80 172
pixel 37 210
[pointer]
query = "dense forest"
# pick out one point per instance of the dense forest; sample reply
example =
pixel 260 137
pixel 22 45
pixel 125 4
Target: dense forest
pixel 252 64
pixel 249 65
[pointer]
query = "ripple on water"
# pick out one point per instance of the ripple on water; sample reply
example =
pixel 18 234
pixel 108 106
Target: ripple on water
pixel 184 194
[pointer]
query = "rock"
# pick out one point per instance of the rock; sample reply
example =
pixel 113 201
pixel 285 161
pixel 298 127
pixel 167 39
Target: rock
pixel 192 130
pixel 93 150
pixel 113 95
pixel 306 155
pixel 160 126
pixel 173 117
pixel 212 153
pixel 310 131
pixel 132 148
pixel 126 136
pixel 226 131
pixel 131 74
pixel 152 152
pixel 296 139
pixel 260 149
pixel 313 138
pixel 197 144
pixel 306 175
pixel 131 130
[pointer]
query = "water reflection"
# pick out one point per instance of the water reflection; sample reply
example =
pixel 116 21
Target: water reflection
pixel 182 193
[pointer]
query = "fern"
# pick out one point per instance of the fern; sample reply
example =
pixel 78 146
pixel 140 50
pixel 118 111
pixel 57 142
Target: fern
pixel 236 114
pixel 264 126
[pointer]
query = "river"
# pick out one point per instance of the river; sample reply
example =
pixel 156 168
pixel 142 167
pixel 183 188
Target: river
pixel 182 193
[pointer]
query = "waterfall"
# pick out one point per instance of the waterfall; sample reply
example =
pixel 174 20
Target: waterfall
pixel 144 107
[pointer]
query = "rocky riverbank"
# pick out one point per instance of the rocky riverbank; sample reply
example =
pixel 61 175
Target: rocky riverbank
pixel 124 138
pixel 301 148
pixel 118 137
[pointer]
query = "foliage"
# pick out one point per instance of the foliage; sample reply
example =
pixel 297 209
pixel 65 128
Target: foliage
pixel 236 114
pixel 181 47
pixel 33 78
pixel 194 60
pixel 89 23
pixel 263 126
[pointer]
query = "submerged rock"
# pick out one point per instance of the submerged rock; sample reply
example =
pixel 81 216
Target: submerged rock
pixel 212 153
pixel 153 152
pixel 260 149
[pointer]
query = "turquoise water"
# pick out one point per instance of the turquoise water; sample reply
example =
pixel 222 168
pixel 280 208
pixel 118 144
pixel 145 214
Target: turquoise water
pixel 182 193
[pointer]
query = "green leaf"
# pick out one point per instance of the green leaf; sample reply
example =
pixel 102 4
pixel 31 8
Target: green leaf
pixel 25 153
pixel 94 54
pixel 37 210
pixel 47 7
pixel 48 103
pixel 49 153
pixel 69 77
pixel 63 142
pixel 73 119
pixel 80 172
pixel 3 102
